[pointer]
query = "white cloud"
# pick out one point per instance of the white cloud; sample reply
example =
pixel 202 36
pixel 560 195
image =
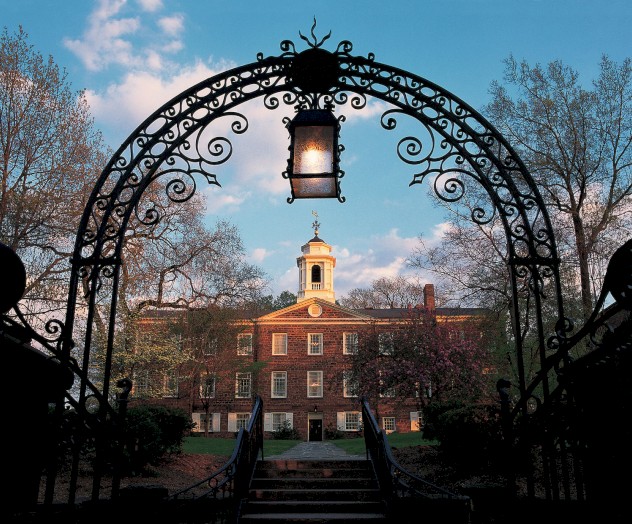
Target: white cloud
pixel 150 6
pixel 172 25
pixel 109 37
pixel 123 106
pixel 259 254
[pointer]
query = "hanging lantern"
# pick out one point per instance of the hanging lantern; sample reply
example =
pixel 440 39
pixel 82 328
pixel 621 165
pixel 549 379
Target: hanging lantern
pixel 313 166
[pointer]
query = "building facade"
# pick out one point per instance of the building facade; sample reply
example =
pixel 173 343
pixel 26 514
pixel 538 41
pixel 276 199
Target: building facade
pixel 298 360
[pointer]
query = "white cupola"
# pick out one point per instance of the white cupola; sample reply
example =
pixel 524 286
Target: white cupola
pixel 316 269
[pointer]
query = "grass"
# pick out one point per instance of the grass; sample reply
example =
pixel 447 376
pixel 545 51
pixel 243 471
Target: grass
pixel 354 446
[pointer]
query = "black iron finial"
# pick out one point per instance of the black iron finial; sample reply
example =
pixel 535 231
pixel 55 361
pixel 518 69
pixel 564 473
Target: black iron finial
pixel 315 44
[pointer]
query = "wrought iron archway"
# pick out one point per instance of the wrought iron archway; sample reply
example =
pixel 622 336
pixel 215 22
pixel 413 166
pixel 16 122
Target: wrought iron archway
pixel 459 147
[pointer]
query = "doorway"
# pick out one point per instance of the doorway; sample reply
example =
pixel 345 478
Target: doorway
pixel 315 422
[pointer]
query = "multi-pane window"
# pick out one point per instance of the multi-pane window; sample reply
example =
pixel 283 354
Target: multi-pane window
pixel 349 421
pixel 315 344
pixel 241 420
pixel 279 343
pixel 350 343
pixel 244 344
pixel 415 421
pixel 170 384
pixel 349 384
pixel 141 383
pixel 207 386
pixel 243 385
pixel 385 389
pixel 386 345
pixel 314 384
pixel 278 421
pixel 388 424
pixel 278 384
pixel 210 345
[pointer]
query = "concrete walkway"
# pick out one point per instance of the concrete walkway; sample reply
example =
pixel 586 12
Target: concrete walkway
pixel 314 451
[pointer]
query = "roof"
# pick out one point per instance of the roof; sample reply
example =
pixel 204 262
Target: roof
pixel 402 312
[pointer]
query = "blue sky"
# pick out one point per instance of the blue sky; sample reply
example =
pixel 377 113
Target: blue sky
pixel 131 56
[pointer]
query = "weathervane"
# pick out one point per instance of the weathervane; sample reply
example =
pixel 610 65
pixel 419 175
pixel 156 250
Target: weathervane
pixel 315 224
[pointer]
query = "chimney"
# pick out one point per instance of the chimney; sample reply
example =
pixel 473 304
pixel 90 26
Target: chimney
pixel 429 296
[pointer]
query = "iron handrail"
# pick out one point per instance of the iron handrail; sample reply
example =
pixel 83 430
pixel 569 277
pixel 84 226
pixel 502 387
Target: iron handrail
pixel 232 480
pixel 394 480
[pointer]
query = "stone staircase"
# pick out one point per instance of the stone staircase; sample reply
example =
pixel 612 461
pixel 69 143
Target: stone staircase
pixel 288 490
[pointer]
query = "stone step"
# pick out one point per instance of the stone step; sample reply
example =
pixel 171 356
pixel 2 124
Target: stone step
pixel 294 464
pixel 270 473
pixel 321 494
pixel 321 518
pixel 313 483
pixel 314 506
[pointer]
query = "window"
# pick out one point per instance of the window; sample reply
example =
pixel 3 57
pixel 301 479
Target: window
pixel 388 424
pixel 349 385
pixel 236 421
pixel 416 422
pixel 214 422
pixel 170 384
pixel 349 421
pixel 315 344
pixel 316 273
pixel 244 344
pixel 314 384
pixel 243 383
pixel 209 346
pixel 386 390
pixel 277 421
pixel 141 383
pixel 241 420
pixel 279 343
pixel 278 384
pixel 385 341
pixel 207 386
pixel 350 343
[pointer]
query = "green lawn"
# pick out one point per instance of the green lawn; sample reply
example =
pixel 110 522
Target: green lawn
pixel 355 446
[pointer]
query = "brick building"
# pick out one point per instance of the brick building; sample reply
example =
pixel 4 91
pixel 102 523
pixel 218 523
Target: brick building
pixel 297 359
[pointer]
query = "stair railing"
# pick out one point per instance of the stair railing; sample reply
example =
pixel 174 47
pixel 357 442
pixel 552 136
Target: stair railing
pixel 395 482
pixel 228 486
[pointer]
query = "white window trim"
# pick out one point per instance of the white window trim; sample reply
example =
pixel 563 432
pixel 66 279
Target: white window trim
pixel 347 384
pixel 310 346
pixel 203 380
pixel 319 374
pixel 272 382
pixel 268 420
pixel 345 347
pixel 384 419
pixel 341 420
pixel 242 349
pixel 416 422
pixel 232 420
pixel 274 337
pixel 385 343
pixel 242 376
pixel 214 427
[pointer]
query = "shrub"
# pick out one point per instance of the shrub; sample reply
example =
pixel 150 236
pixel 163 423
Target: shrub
pixel 286 432
pixel 333 433
pixel 151 432
pixel 470 435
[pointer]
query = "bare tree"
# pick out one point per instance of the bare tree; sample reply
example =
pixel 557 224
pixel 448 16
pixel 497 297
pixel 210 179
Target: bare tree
pixel 386 292
pixel 577 144
pixel 50 154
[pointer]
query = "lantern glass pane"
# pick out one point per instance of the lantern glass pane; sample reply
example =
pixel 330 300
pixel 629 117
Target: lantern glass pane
pixel 317 187
pixel 313 150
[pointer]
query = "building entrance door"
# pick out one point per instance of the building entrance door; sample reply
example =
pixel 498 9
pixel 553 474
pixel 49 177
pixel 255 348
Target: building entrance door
pixel 315 429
